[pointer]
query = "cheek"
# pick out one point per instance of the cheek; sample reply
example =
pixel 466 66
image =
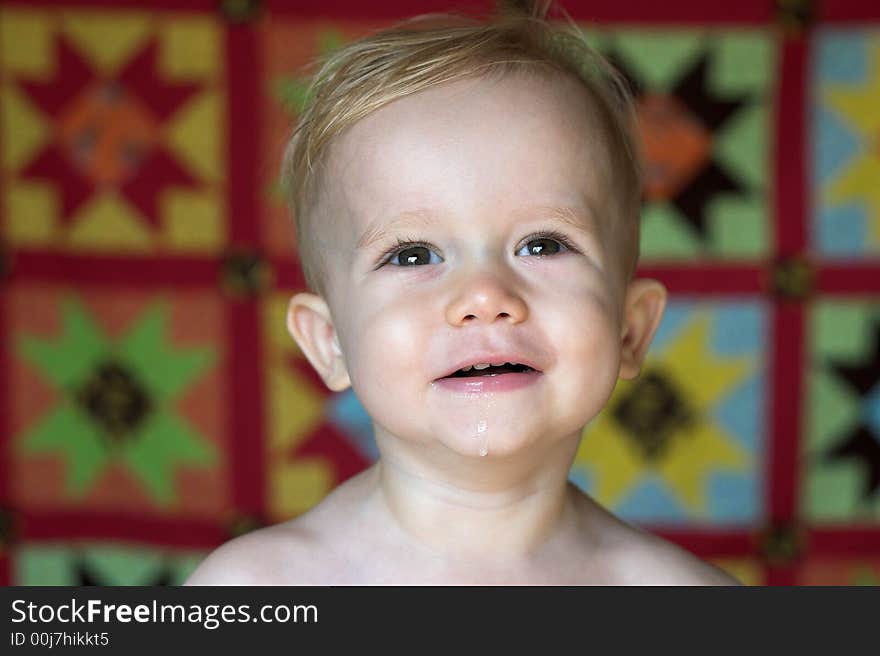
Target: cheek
pixel 586 341
pixel 388 338
pixel 581 311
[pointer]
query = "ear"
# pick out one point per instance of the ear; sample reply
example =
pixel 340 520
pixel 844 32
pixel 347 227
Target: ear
pixel 643 309
pixel 311 326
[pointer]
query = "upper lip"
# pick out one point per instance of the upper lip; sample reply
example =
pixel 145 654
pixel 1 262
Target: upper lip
pixel 482 358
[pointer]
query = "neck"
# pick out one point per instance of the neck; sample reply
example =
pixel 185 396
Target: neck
pixel 480 510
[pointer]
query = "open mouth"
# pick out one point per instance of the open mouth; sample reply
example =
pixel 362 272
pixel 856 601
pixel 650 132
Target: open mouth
pixel 491 370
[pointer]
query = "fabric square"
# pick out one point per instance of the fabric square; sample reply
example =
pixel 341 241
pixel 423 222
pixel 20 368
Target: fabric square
pixel 685 441
pixel 112 134
pixel 703 100
pixel 845 96
pixel 117 401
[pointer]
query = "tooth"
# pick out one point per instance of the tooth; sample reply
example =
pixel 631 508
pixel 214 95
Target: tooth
pixel 466 368
pixel 485 365
pixel 498 364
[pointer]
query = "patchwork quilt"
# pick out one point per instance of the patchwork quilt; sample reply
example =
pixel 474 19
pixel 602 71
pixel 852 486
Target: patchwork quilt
pixel 153 406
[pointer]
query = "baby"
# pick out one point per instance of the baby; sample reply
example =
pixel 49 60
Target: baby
pixel 467 201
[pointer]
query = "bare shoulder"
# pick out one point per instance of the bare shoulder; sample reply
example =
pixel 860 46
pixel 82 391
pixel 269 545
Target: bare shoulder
pixel 308 550
pixel 277 555
pixel 632 556
pixel 648 559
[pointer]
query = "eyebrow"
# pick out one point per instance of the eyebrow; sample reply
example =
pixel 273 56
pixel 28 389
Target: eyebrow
pixel 572 217
pixel 376 231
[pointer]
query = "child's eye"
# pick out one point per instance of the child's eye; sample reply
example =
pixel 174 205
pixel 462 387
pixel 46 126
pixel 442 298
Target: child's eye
pixel 406 253
pixel 409 253
pixel 542 244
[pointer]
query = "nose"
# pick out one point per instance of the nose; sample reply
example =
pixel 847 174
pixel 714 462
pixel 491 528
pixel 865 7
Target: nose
pixel 486 299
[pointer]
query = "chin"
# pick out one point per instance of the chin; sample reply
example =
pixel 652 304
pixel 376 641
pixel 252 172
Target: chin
pixel 495 446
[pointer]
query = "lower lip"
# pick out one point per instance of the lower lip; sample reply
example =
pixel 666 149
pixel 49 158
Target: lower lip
pixel 498 383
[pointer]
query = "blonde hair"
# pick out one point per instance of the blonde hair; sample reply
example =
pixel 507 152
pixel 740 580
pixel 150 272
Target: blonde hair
pixel 432 49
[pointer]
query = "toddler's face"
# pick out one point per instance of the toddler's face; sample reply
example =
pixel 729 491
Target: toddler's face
pixel 475 171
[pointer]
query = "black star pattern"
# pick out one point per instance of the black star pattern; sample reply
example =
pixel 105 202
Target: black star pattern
pixel 862 377
pixel 693 91
pixel 115 400
pixel 652 413
pixel 712 179
pixel 862 444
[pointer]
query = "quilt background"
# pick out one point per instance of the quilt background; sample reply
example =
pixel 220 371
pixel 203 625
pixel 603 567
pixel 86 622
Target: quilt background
pixel 152 404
